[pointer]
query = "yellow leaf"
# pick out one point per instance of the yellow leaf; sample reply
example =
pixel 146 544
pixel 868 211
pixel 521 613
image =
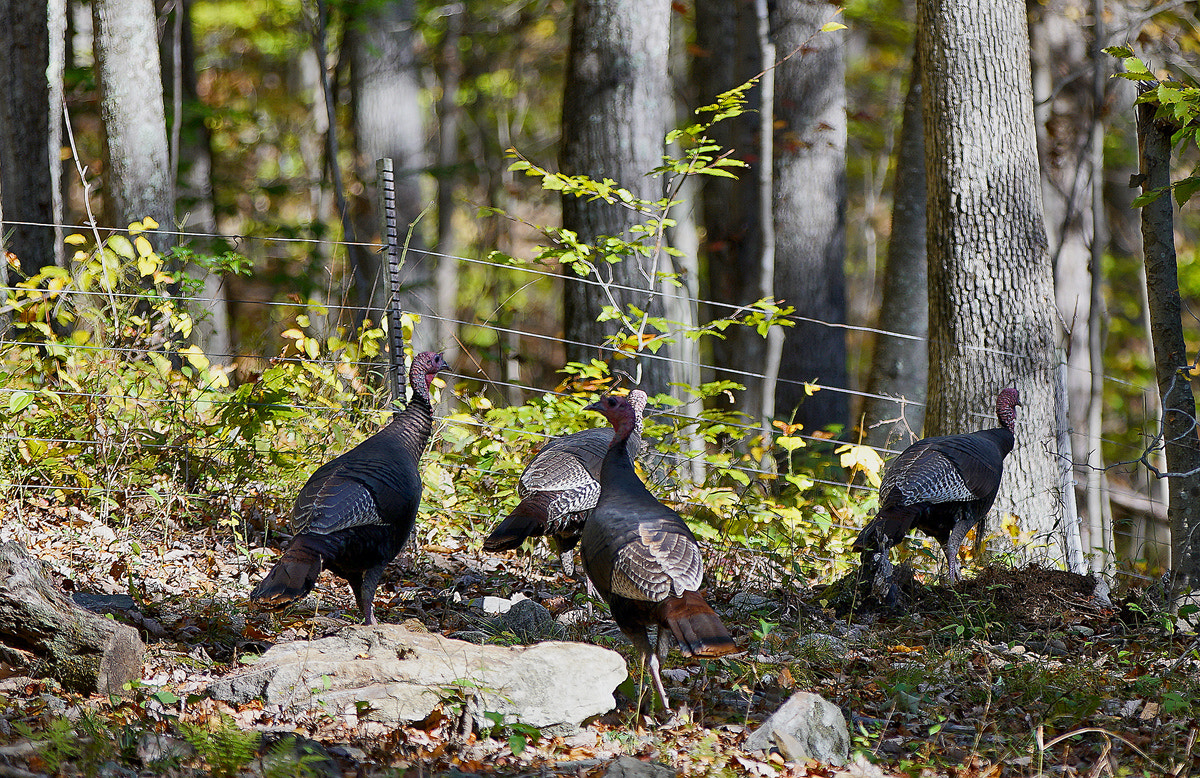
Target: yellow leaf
pixel 147 265
pixel 121 246
pixel 789 442
pixel 149 223
pixel 293 333
pixel 832 26
pixel 862 458
pixel 75 239
pixel 144 249
pixel 195 356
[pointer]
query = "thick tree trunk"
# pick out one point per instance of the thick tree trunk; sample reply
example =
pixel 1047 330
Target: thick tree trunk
pixel 32 48
pixel 388 122
pixel 991 306
pixel 1065 120
pixel 728 55
pixel 810 209
pixel 137 161
pixel 1172 362
pixel 616 105
pixel 44 634
pixel 900 365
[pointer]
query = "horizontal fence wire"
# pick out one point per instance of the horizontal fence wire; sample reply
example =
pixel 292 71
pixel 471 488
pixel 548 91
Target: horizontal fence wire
pixel 326 307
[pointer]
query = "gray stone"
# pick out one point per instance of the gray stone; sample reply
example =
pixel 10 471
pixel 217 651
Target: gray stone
pixel 821 642
pixel 747 601
pixel 806 727
pixel 385 673
pixel 626 766
pixel 530 622
pixel 104 603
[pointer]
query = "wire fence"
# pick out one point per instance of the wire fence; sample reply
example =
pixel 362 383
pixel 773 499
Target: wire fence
pixel 677 461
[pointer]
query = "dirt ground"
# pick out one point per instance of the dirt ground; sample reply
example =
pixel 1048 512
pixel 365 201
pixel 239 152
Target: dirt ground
pixel 1010 672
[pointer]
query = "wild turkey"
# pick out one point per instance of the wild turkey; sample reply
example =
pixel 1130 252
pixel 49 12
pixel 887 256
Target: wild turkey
pixel 558 489
pixel 355 513
pixel 942 486
pixel 643 559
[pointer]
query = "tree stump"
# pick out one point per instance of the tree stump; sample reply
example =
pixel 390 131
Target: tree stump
pixel 44 634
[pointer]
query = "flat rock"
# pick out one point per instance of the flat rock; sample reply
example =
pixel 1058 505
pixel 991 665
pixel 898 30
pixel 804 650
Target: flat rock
pixel 385 673
pixel 626 766
pixel 807 726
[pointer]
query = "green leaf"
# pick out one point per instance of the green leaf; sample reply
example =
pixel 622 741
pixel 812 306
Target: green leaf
pixel 165 697
pixel 1185 189
pixel 517 743
pixel 1146 198
pixel 19 400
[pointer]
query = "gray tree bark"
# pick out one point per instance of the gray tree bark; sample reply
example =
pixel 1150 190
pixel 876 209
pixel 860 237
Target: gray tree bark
pixel 900 365
pixel 1065 120
pixel 809 210
pixel 616 105
pixel 728 55
pixel 1172 362
pixel 388 122
pixel 136 157
pixel 32 50
pixel 991 306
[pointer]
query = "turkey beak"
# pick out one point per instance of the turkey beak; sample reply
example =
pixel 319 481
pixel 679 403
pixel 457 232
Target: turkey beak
pixel 596 406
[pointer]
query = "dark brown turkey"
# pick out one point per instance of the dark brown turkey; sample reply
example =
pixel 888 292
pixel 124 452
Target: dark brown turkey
pixel 942 486
pixel 643 560
pixel 355 513
pixel 558 489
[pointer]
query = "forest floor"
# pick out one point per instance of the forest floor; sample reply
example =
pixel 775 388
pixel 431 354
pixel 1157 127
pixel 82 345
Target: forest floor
pixel 1011 672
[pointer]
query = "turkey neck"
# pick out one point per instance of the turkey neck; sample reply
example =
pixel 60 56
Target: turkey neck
pixel 617 465
pixel 413 425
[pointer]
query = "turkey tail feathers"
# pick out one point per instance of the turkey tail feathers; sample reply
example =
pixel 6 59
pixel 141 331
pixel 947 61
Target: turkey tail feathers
pixel 888 528
pixel 695 625
pixel 528 520
pixel 292 577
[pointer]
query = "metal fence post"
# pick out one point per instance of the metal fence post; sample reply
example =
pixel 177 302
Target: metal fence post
pixel 386 181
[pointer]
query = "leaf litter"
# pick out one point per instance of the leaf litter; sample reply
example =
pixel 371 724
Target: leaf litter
pixel 1011 672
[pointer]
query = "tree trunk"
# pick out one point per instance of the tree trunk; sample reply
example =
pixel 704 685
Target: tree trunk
pixel 1172 364
pixel 616 104
pixel 191 154
pixel 136 158
pixel 991 305
pixel 32 50
pixel 810 209
pixel 449 116
pixel 44 634
pixel 728 55
pixel 1065 120
pixel 900 365
pixel 388 122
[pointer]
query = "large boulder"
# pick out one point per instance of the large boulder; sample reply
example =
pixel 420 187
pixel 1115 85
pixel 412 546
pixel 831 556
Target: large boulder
pixel 807 726
pixel 385 673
